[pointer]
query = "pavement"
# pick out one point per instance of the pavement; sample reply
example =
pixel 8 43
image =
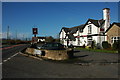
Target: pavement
pixel 23 66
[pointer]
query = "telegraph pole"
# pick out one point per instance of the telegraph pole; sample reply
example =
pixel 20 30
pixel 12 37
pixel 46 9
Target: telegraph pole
pixel 7 32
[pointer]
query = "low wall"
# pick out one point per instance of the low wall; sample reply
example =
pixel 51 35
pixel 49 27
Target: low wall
pixel 56 54
pixel 51 54
pixel 30 51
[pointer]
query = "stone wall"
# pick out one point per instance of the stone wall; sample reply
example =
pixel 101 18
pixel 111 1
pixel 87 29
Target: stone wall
pixel 30 51
pixel 56 54
pixel 113 31
pixel 52 54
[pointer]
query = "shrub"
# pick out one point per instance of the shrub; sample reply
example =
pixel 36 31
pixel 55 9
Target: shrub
pixel 106 45
pixel 87 47
pixel 93 45
pixel 98 46
pixel 115 46
pixel 83 46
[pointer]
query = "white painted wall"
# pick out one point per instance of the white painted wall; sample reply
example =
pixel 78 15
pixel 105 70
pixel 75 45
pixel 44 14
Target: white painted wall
pixel 106 17
pixel 62 34
pixel 84 40
pixel 42 40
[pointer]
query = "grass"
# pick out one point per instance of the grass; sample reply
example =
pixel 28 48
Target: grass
pixel 97 50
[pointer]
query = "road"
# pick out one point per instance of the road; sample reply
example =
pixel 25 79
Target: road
pixel 8 51
pixel 22 66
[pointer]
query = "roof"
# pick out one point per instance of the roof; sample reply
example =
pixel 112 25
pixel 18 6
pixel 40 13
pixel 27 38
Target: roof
pixel 70 36
pixel 65 29
pixel 106 8
pixel 118 24
pixel 97 23
pixel 73 29
pixel 41 37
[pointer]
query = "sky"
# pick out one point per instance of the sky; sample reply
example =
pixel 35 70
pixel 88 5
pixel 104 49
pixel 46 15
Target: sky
pixel 50 17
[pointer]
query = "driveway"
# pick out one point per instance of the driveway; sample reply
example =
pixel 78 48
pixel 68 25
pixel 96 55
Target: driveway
pixel 96 57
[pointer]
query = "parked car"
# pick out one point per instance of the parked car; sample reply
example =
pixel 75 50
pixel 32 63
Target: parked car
pixel 52 46
pixel 39 46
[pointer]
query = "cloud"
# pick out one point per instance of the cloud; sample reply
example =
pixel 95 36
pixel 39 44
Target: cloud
pixel 13 35
pixel 4 34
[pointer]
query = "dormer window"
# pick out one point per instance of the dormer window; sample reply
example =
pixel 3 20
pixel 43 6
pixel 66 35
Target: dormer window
pixel 89 29
pixel 89 22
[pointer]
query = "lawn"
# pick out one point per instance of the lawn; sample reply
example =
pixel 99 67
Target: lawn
pixel 97 50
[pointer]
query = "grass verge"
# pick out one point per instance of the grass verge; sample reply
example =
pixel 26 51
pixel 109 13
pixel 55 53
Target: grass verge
pixel 97 50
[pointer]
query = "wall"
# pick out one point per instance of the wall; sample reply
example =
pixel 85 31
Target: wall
pixel 62 34
pixel 51 54
pixel 113 31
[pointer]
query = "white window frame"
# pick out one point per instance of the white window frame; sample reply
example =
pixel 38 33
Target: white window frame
pixel 116 38
pixel 89 29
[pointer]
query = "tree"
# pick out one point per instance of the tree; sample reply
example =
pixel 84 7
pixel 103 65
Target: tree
pixel 49 39
pixel 115 46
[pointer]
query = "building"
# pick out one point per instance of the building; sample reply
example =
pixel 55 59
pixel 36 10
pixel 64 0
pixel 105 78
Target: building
pixel 38 39
pixel 92 30
pixel 41 39
pixel 113 33
pixel 68 36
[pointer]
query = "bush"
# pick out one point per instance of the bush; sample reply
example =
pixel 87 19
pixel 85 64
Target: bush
pixel 106 45
pixel 115 46
pixel 98 46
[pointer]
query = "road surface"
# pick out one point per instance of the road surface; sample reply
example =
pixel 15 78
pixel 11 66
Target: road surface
pixel 8 51
pixel 23 66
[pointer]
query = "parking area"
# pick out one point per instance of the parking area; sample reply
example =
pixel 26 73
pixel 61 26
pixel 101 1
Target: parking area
pixel 96 57
pixel 22 66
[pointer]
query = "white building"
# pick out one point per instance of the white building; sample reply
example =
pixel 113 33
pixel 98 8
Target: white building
pixel 41 39
pixel 92 30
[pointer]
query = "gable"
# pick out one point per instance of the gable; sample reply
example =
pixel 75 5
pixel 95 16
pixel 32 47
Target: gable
pixel 97 23
pixel 113 24
pixel 114 30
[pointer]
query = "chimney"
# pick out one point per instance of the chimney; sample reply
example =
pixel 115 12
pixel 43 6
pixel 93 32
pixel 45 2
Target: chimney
pixel 106 17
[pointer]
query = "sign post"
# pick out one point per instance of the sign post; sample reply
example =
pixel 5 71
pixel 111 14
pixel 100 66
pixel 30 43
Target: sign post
pixel 35 32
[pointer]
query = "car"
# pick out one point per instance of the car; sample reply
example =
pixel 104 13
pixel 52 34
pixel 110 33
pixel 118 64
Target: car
pixel 53 46
pixel 39 46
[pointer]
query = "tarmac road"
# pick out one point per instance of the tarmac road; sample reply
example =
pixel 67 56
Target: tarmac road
pixel 11 50
pixel 22 66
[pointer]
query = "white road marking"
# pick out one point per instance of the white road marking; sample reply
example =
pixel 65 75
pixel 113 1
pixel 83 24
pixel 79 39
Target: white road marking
pixel 10 57
pixel 17 54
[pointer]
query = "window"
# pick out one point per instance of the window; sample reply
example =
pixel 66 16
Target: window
pixel 114 39
pixel 89 40
pixel 89 29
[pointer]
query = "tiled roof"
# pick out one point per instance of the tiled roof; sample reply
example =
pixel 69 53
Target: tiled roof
pixel 41 37
pixel 65 29
pixel 118 24
pixel 97 23
pixel 73 29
